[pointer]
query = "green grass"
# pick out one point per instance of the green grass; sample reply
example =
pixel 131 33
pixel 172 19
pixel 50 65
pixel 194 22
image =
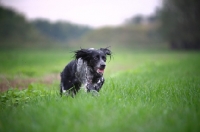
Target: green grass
pixel 144 91
pixel 32 63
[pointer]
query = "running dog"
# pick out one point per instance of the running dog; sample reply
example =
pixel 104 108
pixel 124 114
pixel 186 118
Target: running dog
pixel 86 71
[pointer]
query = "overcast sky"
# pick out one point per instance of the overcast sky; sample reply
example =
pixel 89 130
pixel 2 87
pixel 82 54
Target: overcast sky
pixel 95 13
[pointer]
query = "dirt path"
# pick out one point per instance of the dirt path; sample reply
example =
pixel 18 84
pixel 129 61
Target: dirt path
pixel 19 83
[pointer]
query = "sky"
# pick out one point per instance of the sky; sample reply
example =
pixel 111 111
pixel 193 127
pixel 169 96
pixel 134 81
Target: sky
pixel 94 13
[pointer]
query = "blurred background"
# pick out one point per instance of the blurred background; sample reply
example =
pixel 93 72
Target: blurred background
pixel 152 24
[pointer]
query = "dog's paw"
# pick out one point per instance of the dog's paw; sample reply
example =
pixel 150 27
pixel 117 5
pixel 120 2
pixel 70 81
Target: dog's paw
pixel 94 93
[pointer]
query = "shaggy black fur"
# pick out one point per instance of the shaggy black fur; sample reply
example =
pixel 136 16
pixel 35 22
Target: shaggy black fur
pixel 86 70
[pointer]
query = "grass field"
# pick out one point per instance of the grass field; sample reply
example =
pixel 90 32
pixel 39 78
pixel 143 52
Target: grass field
pixel 145 91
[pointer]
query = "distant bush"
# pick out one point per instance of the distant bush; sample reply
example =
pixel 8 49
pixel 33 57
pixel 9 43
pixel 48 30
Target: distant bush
pixel 61 31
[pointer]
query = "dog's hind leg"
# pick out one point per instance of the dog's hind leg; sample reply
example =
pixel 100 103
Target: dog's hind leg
pixel 61 89
pixel 66 88
pixel 69 87
pixel 66 84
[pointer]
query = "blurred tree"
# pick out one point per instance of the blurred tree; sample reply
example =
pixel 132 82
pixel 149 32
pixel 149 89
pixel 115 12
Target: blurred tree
pixel 15 31
pixel 180 23
pixel 138 19
pixel 152 18
pixel 12 24
pixel 61 31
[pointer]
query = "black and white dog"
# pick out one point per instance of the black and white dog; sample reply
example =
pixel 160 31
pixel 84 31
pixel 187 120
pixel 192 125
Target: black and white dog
pixel 86 70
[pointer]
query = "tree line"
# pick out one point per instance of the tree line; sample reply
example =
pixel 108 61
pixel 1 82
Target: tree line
pixel 15 28
pixel 180 21
pixel 61 31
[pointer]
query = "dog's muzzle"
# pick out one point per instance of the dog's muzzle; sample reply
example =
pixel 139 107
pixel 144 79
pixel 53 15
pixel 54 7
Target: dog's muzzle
pixel 100 70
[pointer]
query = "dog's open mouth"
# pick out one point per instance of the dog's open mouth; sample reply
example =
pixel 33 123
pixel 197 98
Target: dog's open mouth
pixel 100 71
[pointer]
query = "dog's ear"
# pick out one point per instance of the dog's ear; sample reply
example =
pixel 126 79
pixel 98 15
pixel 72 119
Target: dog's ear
pixel 106 51
pixel 82 53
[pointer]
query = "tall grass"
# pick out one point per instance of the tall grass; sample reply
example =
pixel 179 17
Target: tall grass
pixel 33 63
pixel 161 92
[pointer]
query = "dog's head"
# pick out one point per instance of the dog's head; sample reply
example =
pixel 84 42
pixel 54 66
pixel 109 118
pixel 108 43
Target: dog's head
pixel 95 58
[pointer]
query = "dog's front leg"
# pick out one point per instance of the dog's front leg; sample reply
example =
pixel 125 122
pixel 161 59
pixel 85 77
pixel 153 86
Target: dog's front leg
pixel 90 87
pixel 96 87
pixel 99 84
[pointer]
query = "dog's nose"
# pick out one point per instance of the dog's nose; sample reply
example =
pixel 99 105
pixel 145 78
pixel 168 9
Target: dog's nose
pixel 102 66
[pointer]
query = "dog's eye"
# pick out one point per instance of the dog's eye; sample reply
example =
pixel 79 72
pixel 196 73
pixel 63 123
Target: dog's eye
pixel 104 58
pixel 96 57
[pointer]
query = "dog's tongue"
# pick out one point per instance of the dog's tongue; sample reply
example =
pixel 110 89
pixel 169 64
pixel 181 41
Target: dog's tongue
pixel 100 71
